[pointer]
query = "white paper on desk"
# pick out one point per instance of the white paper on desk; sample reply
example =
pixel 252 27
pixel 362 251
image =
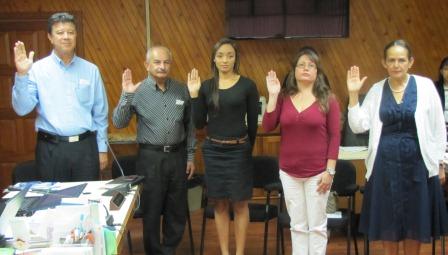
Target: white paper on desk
pixel 10 194
pixel 44 186
pixel 335 215
pixel 353 148
pixel 74 201
pixel 28 194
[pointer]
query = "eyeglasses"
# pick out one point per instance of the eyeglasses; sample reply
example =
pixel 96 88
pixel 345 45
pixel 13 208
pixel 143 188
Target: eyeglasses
pixel 306 65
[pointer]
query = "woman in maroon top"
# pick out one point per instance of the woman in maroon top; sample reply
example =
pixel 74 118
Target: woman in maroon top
pixel 308 115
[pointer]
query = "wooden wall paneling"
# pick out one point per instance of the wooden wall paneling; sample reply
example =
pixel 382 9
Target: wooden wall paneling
pixel 270 145
pixel 114 37
pixel 5 174
pixel 17 139
pixel 8 143
pixel 5 91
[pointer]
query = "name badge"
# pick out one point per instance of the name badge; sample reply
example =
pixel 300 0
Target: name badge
pixel 179 102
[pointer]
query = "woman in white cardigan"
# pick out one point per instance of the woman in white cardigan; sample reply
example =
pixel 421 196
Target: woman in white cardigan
pixel 403 199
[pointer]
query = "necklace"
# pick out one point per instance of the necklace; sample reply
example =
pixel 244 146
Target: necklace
pixel 397 90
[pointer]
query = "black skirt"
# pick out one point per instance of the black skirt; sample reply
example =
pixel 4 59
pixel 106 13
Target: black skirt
pixel 228 170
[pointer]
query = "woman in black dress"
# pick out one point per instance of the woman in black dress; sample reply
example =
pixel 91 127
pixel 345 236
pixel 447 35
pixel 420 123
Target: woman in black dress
pixel 403 199
pixel 223 104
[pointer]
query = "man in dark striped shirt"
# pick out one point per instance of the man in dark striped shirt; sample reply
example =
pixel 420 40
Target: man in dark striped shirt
pixel 166 138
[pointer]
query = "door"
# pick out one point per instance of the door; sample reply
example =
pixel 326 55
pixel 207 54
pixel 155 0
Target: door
pixel 17 134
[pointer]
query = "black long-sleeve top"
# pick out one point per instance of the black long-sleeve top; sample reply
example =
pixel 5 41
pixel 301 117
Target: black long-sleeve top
pixel 229 122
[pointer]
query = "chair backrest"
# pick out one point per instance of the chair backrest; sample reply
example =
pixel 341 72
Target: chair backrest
pixel 25 172
pixel 345 178
pixel 127 163
pixel 265 171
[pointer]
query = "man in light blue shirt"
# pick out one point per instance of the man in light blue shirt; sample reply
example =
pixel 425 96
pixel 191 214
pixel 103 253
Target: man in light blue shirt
pixel 69 96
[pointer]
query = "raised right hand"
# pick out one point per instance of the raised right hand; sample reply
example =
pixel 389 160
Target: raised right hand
pixel 272 83
pixel 23 63
pixel 127 84
pixel 354 83
pixel 194 83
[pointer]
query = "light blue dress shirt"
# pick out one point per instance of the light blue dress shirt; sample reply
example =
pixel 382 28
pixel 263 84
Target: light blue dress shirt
pixel 70 99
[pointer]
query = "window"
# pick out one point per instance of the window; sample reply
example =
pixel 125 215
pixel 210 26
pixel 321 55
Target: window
pixel 287 18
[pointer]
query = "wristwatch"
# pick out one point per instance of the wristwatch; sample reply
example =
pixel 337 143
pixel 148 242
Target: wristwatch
pixel 331 171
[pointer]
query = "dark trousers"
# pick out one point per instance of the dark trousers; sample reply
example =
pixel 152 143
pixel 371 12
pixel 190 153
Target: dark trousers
pixel 64 161
pixel 164 194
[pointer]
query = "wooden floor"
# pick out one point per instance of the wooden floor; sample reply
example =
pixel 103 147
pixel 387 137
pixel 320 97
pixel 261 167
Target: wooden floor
pixel 254 246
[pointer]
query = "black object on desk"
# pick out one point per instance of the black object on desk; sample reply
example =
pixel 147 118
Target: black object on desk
pixel 128 179
pixel 2 241
pixel 49 200
pixel 74 191
pixel 123 189
pixel 125 181
pixel 117 201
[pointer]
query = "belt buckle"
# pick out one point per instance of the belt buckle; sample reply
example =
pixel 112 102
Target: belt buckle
pixel 72 139
pixel 166 148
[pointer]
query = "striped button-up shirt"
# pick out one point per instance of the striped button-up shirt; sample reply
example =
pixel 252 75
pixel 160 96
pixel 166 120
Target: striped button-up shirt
pixel 163 117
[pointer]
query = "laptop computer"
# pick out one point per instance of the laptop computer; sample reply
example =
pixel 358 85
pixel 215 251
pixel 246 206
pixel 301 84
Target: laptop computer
pixel 10 210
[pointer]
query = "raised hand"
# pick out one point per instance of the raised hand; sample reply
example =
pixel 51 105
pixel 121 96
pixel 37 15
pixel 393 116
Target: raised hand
pixel 194 83
pixel 23 63
pixel 354 83
pixel 128 85
pixel 272 83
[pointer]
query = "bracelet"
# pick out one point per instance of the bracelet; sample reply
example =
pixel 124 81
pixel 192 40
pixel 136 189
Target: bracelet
pixel 331 171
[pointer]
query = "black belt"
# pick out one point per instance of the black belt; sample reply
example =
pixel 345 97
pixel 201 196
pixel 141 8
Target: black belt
pixel 68 139
pixel 162 148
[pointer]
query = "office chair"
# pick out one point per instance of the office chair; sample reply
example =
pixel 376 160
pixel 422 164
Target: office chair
pixel 128 164
pixel 195 181
pixel 366 238
pixel 442 246
pixel 442 238
pixel 344 183
pixel 265 175
pixel 24 172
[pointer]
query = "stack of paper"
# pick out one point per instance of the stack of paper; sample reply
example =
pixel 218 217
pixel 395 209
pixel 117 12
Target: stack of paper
pixel 352 152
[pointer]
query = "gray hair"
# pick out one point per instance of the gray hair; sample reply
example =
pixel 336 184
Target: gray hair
pixel 151 50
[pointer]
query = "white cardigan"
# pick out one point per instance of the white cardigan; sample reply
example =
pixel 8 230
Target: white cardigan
pixel 429 120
